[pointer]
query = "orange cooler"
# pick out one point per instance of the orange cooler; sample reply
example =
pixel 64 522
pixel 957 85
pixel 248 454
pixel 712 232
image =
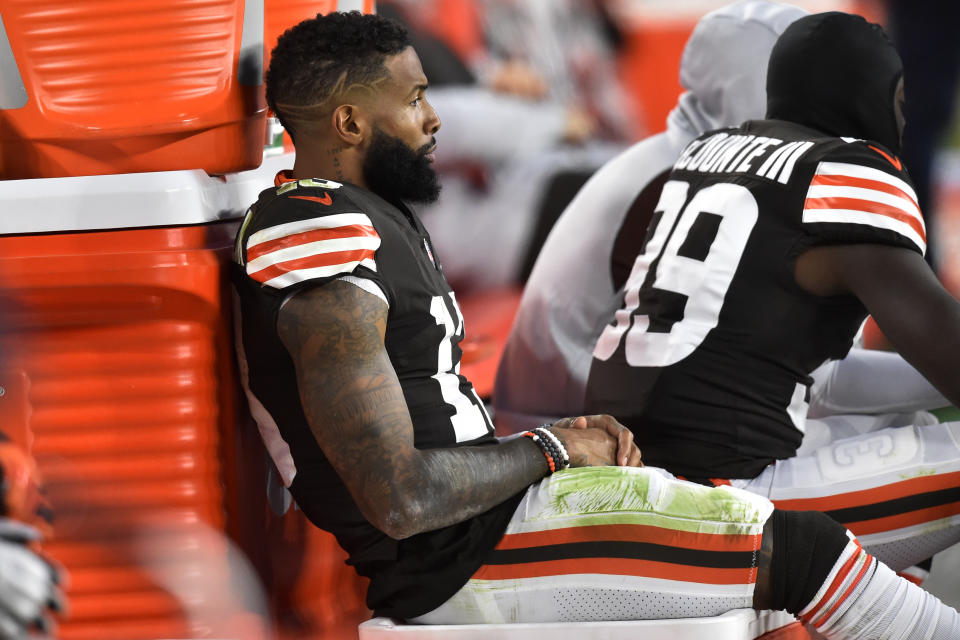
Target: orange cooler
pixel 117 359
pixel 116 349
pixel 118 364
pixel 115 86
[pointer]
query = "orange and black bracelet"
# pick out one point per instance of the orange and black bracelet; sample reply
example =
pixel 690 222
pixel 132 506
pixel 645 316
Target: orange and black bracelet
pixel 544 448
pixel 553 450
pixel 562 458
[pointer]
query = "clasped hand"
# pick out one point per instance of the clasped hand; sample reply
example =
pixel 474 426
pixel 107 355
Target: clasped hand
pixel 596 441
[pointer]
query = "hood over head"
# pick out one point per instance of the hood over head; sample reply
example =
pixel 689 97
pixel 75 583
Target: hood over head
pixel 836 73
pixel 724 65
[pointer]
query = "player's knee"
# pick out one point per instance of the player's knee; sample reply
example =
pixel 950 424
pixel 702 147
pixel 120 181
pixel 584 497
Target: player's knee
pixel 806 544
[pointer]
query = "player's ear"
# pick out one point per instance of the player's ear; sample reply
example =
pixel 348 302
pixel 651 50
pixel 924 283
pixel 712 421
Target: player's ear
pixel 349 124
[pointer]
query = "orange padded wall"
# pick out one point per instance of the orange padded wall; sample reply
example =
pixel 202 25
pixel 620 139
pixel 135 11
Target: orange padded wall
pixel 114 86
pixel 122 367
pixel 313 592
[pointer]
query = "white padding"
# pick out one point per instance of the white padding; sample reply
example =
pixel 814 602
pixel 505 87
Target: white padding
pixel 739 624
pixel 132 200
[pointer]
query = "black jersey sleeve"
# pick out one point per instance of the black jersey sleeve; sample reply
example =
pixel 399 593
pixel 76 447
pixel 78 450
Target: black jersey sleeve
pixel 860 193
pixel 307 232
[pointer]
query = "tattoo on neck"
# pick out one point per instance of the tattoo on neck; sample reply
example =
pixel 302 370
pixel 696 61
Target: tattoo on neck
pixel 337 167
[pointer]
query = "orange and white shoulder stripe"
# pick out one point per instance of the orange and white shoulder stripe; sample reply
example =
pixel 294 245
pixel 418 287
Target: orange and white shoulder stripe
pixel 855 194
pixel 321 247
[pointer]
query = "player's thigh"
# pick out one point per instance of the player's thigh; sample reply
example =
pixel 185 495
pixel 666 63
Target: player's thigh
pixel 893 462
pixel 821 432
pixel 617 543
pixel 895 489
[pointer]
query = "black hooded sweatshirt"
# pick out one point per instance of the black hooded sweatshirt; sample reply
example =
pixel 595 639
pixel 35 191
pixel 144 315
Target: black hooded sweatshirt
pixel 836 73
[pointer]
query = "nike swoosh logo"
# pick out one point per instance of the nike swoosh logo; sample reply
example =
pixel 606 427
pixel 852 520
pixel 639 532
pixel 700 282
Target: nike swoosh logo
pixel 892 160
pixel 326 199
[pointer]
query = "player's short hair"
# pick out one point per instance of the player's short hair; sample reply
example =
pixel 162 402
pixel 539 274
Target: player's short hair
pixel 323 57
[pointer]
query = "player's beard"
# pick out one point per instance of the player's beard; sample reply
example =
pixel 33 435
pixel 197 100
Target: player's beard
pixel 394 171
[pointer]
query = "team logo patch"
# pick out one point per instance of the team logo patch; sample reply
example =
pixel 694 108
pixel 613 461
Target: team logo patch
pixel 895 161
pixel 324 199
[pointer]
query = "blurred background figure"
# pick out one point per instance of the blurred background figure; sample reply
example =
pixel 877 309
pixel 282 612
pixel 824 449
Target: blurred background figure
pixel 221 597
pixel 564 50
pixel 531 105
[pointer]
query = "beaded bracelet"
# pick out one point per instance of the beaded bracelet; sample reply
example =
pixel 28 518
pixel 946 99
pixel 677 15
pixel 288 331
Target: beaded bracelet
pixel 563 457
pixel 552 449
pixel 544 448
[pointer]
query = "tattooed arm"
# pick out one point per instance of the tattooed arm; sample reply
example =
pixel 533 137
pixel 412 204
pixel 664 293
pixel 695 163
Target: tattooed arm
pixel 356 411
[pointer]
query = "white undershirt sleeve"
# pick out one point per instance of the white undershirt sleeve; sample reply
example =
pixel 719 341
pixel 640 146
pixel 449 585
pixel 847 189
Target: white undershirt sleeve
pixel 870 382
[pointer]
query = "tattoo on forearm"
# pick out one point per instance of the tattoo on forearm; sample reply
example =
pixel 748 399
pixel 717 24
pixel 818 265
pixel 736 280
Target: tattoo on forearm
pixel 358 414
pixel 363 404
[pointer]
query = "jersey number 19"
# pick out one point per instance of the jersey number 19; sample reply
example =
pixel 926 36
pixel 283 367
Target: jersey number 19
pixel 676 289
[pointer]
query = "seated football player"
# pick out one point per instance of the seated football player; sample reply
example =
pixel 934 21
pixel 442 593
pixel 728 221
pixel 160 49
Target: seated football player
pixel 574 287
pixel 350 342
pixel 769 244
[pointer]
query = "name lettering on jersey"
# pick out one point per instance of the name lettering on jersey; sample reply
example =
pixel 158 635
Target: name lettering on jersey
pixel 762 156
